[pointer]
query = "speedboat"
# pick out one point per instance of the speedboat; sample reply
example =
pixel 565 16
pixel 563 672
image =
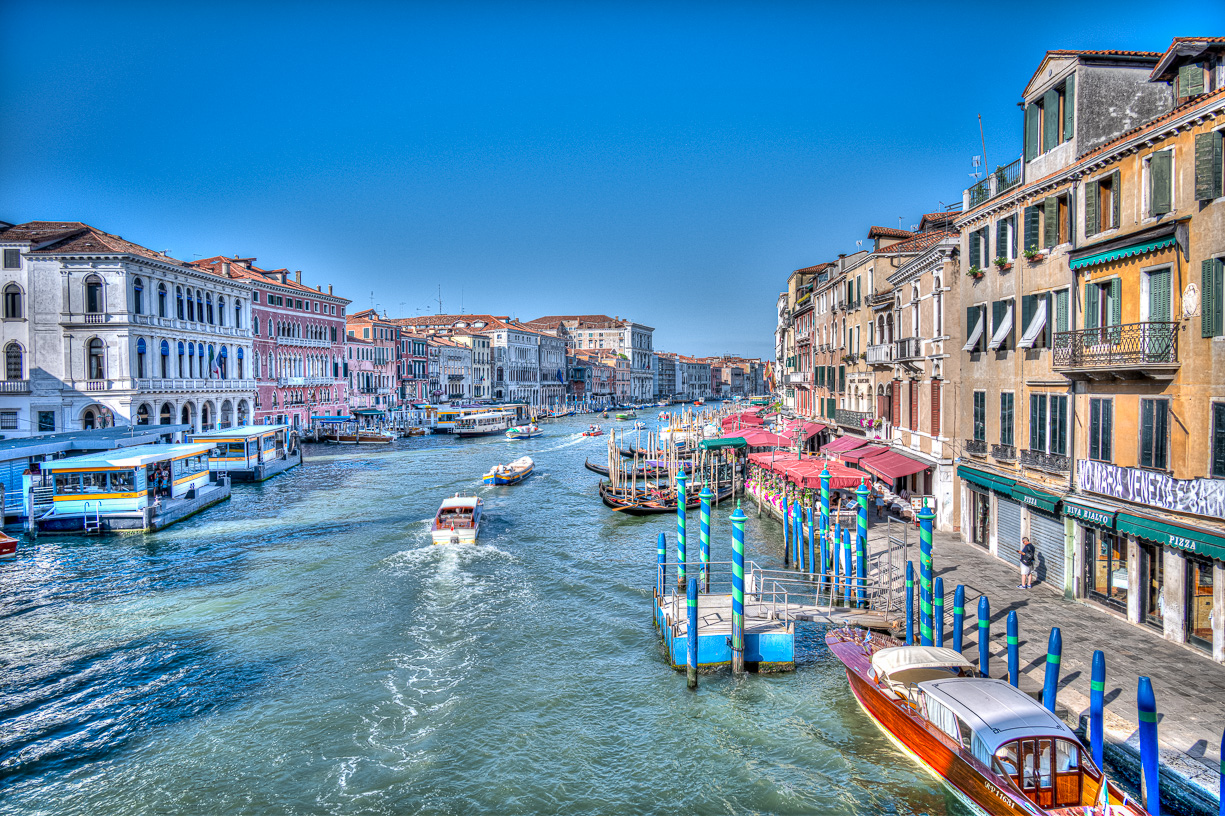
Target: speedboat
pixel 997 749
pixel 513 473
pixel 458 520
pixel 640 426
pixel 593 430
pixel 8 547
pixel 524 432
pixel 627 415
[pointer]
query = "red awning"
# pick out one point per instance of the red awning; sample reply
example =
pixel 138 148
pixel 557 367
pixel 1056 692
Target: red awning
pixel 810 429
pixel 893 465
pixel 843 443
pixel 762 438
pixel 859 454
pixel 808 474
pixel 743 420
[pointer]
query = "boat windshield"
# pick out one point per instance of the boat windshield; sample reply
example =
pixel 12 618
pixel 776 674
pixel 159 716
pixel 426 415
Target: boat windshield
pixel 1048 771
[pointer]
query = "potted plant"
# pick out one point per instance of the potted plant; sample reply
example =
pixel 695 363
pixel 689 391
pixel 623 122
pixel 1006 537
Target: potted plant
pixel 1003 264
pixel 1033 254
pixel 975 273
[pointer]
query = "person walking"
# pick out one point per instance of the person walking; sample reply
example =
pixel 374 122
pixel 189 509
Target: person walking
pixel 880 503
pixel 1027 564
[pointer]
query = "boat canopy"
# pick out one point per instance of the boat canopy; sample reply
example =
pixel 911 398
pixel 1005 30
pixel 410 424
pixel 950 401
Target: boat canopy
pixel 913 664
pixel 133 457
pixel 460 501
pixel 995 711
pixel 368 412
pixel 720 444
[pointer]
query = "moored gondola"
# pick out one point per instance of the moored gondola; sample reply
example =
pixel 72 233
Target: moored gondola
pixel 644 504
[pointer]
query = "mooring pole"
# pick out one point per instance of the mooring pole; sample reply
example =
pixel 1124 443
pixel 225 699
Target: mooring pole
pixel 925 574
pixel 938 611
pixel 812 552
pixel 835 555
pixel 984 636
pixel 1150 784
pixel 691 633
pixel 1097 707
pixel 959 614
pixel 737 590
pixel 680 528
pixel 786 525
pixel 824 516
pixel 704 537
pixel 1014 647
pixel 909 603
pixel 798 538
pixel 1050 682
pixel 861 544
pixel 661 555
pixel 846 566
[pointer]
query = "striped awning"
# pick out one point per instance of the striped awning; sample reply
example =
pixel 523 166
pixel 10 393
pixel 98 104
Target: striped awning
pixel 1106 256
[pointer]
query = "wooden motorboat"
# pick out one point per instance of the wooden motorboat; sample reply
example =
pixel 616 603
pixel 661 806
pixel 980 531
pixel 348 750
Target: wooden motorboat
pixel 627 416
pixel 593 430
pixel 8 547
pixel 652 501
pixel 415 431
pixel 513 473
pixel 524 432
pixel 996 748
pixel 458 520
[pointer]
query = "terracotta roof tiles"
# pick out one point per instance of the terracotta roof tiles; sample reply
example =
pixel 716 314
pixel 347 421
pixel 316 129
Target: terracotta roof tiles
pixel 888 232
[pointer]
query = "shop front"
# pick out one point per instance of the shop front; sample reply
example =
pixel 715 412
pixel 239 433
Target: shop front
pixel 1046 533
pixel 983 491
pixel 1104 553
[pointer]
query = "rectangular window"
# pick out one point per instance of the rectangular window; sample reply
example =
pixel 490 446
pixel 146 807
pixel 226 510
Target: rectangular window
pixel 8 420
pixel 1101 429
pixel 1160 166
pixel 1208 166
pixel 46 421
pixel 12 259
pixel 1154 433
pixel 1037 422
pixel 1058 436
pixel 980 416
pixel 255 297
pixel 1218 439
pixel 1006 410
pixel 1212 294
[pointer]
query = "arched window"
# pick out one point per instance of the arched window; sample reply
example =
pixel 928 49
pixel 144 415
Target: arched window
pixel 220 310
pixel 254 325
pixel 141 348
pixel 12 302
pixel 199 306
pixel 208 305
pixel 238 315
pixel 97 359
pixel 178 297
pixel 223 363
pixel 142 415
pixel 161 300
pixel 93 295
pixel 13 364
pixel 240 363
pixel 138 296
pixel 166 415
pixel 191 306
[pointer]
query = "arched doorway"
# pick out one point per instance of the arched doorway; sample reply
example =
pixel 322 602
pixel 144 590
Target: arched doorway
pixel 97 416
pixel 244 413
pixel 188 415
pixel 206 416
pixel 227 414
pixel 142 414
pixel 166 415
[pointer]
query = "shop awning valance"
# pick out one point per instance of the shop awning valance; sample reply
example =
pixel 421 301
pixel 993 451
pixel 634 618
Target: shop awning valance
pixel 1191 539
pixel 1090 512
pixel 1126 247
pixel 1036 498
pixel 734 442
pixel 843 443
pixel 892 465
pixel 987 480
pixel 860 453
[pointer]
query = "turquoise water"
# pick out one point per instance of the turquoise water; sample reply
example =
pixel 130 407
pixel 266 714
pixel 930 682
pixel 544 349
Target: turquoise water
pixel 304 649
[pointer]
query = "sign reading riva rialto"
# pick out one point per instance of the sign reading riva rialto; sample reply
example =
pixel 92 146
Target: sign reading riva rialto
pixel 1203 497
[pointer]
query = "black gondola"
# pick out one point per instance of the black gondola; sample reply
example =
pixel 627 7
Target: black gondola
pixel 647 506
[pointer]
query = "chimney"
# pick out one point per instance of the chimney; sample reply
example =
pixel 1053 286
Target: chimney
pixel 298 276
pixel 225 268
pixel 329 288
pixel 319 288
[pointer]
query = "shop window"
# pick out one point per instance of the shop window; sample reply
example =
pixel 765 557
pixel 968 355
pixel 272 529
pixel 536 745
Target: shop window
pixel 980 518
pixel 1107 563
pixel 1154 433
pixel 1154 583
pixel 1199 602
pixel 1101 430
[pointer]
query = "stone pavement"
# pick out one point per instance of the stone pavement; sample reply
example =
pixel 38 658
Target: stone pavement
pixel 1189 687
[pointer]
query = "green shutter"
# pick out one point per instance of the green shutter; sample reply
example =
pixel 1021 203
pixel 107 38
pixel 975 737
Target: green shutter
pixel 1049 330
pixel 1012 233
pixel 1190 80
pixel 1160 181
pixel 1146 433
pixel 1092 292
pixel 1061 310
pixel 1095 428
pixel 1033 217
pixel 1029 303
pixel 1208 165
pixel 1116 195
pixel 1159 295
pixel 1069 105
pixel 1116 301
pixel 1107 440
pixel 1218 439
pixel 1034 438
pixel 1050 225
pixel 974 249
pixel 1091 219
pixel 1032 137
pixel 1001 238
pixel 1160 432
pixel 1050 120
pixel 1212 307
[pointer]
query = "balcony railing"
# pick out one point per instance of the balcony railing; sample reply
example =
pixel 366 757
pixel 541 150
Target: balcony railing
pixel 882 353
pixel 1128 345
pixel 797 377
pixel 305 342
pixel 978 446
pixel 908 348
pixel 14 386
pixel 1001 181
pixel 1041 460
pixel 854 419
pixel 1006 453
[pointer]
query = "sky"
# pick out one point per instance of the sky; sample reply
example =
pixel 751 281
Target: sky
pixel 667 162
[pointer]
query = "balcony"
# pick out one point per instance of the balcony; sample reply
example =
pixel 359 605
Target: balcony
pixel 909 348
pixel 160 385
pixel 879 299
pixel 14 386
pixel 880 354
pixel 854 419
pixel 1001 181
pixel 976 446
pixel 282 382
pixel 1049 462
pixel 303 342
pixel 1005 453
pixel 797 378
pixel 1122 352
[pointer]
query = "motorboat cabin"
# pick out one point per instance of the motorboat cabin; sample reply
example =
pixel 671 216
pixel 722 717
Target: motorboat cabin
pixel 144 487
pixel 458 521
pixel 252 453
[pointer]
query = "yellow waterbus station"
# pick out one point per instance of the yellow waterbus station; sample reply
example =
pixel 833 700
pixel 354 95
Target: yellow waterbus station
pixel 252 453
pixel 141 488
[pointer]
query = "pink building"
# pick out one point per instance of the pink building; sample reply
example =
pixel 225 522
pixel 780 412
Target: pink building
pixel 299 343
pixel 372 355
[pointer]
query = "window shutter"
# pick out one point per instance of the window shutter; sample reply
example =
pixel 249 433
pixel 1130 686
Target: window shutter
pixel 974 249
pixel 1159 178
pixel 1160 433
pixel 1116 195
pixel 1050 120
pixel 1218 439
pixel 1012 233
pixel 1061 310
pixel 1032 137
pixel 1069 105
pixel 1091 197
pixel 1048 331
pixel 1001 237
pixel 897 403
pixel 1050 226
pixel 1092 293
pixel 1033 423
pixel 997 314
pixel 1028 304
pixel 1032 219
pixel 1107 435
pixel 935 411
pixel 1190 80
pixel 1159 296
pixel 1208 165
pixel 1116 301
pixel 1095 428
pixel 914 405
pixel 1146 433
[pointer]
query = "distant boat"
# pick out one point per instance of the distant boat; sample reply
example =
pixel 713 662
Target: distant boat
pixel 524 432
pixel 640 426
pixel 458 521
pixel 593 430
pixel 513 473
pixel 8 547
pixel 627 415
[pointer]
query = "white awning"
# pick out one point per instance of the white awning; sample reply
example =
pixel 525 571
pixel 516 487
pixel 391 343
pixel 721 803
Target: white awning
pixel 1037 324
pixel 977 333
pixel 1001 331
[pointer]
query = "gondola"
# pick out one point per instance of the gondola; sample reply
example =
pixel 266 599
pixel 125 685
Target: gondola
pixel 646 506
pixel 643 472
pixel 600 469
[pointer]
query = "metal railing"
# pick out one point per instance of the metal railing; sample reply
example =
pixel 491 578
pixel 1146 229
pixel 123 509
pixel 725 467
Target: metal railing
pixel 854 419
pixel 1007 453
pixel 1120 345
pixel 1002 180
pixel 976 446
pixel 909 348
pixel 1041 460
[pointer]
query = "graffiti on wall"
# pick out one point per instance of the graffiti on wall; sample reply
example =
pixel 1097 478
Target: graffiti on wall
pixel 1203 497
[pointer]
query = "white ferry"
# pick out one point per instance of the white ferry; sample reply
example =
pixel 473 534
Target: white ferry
pixel 483 424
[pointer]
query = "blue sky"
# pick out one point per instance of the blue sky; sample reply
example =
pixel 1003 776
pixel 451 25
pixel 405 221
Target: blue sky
pixel 666 162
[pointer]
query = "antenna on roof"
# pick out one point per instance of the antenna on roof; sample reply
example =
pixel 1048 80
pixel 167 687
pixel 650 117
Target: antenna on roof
pixel 440 298
pixel 977 162
pixel 982 138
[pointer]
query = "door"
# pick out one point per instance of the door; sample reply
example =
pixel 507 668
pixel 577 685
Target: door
pixel 1046 533
pixel 1008 531
pixel 1199 603
pixel 1154 584
pixel 980 524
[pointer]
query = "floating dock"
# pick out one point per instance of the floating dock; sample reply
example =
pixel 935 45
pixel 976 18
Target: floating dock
pixel 769 643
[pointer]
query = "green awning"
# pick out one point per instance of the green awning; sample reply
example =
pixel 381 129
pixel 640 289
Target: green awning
pixel 1191 539
pixel 368 412
pixel 1090 512
pixel 987 480
pixel 719 444
pixel 1036 498
pixel 1123 252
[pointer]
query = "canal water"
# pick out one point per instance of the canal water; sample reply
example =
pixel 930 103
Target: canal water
pixel 304 649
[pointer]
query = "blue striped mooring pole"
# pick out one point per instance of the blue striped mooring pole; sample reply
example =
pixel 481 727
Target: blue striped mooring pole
pixel 691 633
pixel 1014 646
pixel 835 554
pixel 812 553
pixel 1150 785
pixel 737 590
pixel 938 614
pixel 1097 708
pixel 959 615
pixel 661 554
pixel 909 603
pixel 786 528
pixel 680 528
pixel 797 513
pixel 824 515
pixel 861 544
pixel 704 537
pixel 984 636
pixel 925 574
pixel 846 565
pixel 1050 681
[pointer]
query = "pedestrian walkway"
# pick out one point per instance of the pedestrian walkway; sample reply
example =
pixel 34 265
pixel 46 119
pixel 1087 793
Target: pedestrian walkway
pixel 1190 687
